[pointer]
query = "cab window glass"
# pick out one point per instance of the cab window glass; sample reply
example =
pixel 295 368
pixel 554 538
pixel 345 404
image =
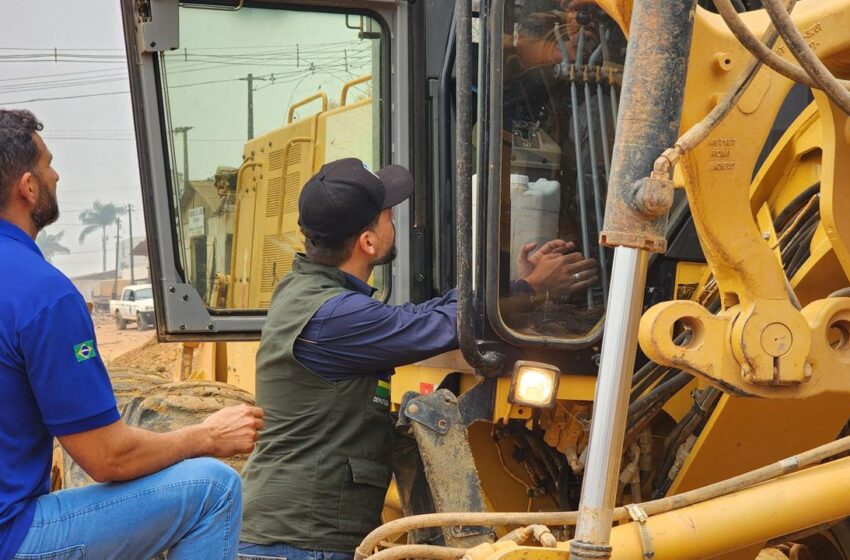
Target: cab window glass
pixel 257 100
pixel 563 64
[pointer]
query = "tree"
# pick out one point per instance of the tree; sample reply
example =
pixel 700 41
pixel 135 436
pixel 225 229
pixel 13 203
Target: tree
pixel 51 245
pixel 99 216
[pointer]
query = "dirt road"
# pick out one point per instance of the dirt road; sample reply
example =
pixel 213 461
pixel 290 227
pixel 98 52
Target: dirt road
pixel 136 348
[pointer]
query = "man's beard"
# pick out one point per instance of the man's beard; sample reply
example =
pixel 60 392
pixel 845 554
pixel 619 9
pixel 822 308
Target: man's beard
pixel 46 209
pixel 387 257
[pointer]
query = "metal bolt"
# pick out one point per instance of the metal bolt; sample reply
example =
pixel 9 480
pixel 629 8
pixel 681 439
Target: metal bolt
pixel 766 235
pixel 185 297
pixel 442 424
pixel 171 289
pixel 210 327
pixel 420 277
pixel 182 327
pixel 153 44
pixel 412 409
pixel 723 61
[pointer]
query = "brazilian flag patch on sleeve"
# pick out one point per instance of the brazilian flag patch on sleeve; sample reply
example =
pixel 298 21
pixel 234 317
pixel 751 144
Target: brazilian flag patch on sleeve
pixel 85 351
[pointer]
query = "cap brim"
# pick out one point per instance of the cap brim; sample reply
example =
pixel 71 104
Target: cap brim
pixel 398 184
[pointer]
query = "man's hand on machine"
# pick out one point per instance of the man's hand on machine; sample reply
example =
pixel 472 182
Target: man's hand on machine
pixel 556 267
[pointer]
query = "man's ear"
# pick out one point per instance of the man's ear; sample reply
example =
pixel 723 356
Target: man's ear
pixel 367 242
pixel 27 187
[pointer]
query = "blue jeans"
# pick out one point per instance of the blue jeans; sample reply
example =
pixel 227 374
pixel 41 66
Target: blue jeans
pixel 251 551
pixel 193 509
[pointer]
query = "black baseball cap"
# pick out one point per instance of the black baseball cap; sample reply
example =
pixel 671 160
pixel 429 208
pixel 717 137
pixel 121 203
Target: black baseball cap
pixel 345 196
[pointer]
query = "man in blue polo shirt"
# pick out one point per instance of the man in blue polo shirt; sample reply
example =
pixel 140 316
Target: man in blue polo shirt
pixel 53 384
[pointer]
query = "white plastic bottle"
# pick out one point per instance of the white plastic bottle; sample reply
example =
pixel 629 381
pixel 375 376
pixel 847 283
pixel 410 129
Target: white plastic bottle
pixel 534 213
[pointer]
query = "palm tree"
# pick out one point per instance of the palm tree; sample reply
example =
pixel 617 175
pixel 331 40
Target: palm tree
pixel 51 245
pixel 99 216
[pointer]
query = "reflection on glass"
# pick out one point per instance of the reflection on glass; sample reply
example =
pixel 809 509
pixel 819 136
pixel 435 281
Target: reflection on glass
pixel 144 293
pixel 562 68
pixel 258 100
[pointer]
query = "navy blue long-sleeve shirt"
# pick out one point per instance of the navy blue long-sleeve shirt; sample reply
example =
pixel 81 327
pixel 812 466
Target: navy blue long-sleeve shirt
pixel 352 334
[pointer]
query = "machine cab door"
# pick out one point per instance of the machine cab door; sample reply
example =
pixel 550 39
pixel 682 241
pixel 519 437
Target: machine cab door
pixel 236 104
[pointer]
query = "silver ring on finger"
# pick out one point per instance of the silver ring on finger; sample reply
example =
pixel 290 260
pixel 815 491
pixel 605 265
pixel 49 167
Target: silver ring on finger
pixel 577 277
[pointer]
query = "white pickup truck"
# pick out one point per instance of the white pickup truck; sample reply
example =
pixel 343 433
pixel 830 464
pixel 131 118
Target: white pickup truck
pixel 135 305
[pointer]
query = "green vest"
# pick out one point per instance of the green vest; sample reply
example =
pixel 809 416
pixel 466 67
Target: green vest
pixel 322 465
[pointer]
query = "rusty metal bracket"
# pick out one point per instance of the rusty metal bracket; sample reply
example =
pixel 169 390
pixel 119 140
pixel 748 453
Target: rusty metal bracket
pixel 443 444
pixel 476 404
pixel 413 491
pixel 425 413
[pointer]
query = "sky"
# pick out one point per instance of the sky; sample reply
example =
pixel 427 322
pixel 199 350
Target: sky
pixel 65 62
pixel 82 98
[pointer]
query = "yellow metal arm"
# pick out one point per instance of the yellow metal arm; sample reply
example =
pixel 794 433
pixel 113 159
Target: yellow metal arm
pixel 744 520
pixel 759 344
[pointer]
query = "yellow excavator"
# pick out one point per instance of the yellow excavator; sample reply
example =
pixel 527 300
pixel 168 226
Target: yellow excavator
pixel 691 404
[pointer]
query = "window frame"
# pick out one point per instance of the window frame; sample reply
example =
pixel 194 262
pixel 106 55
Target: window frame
pixel 181 314
pixel 489 195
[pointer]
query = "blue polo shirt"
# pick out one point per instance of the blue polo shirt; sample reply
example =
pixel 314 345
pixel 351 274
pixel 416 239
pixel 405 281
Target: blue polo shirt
pixel 52 380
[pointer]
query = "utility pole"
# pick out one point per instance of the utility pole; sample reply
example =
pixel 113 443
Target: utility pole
pixel 184 130
pixel 117 249
pixel 250 78
pixel 130 223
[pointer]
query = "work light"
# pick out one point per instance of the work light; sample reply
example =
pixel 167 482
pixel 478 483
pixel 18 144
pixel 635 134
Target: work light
pixel 534 384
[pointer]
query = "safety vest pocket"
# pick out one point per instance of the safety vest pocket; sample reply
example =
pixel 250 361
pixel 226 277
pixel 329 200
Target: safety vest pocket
pixel 363 495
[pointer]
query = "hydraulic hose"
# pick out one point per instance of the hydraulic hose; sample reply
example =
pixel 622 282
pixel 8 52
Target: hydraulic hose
pixel 419 551
pixel 660 393
pixel 794 206
pixel 697 133
pixel 762 51
pixel 558 518
pixel 830 85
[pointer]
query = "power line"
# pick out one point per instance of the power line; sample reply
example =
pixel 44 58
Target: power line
pixel 115 49
pixel 286 78
pixel 275 59
pixel 36 100
pixel 87 72
pixel 295 52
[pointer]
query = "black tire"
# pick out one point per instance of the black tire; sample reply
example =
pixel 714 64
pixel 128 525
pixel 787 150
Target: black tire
pixel 128 384
pixel 147 400
pixel 119 322
pixel 171 406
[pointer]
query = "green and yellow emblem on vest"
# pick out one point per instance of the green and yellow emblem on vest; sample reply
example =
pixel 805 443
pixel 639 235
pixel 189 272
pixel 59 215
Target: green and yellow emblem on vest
pixel 85 351
pixel 382 393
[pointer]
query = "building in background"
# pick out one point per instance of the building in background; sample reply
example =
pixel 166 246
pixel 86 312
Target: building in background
pixel 99 287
